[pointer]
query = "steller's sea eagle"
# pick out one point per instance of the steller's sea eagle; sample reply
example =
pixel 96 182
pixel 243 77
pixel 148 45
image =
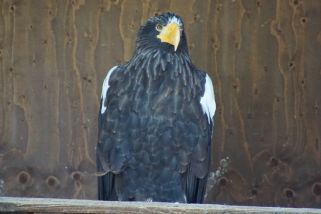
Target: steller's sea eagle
pixel 155 121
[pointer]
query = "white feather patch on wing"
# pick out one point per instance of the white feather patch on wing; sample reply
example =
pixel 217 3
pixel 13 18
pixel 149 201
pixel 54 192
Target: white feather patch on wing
pixel 105 90
pixel 208 99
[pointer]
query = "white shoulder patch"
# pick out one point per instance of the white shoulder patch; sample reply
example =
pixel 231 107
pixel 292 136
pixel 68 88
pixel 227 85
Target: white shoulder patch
pixel 208 99
pixel 105 89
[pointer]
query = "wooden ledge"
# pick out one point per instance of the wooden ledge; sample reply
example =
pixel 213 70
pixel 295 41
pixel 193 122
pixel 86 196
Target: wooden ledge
pixel 50 205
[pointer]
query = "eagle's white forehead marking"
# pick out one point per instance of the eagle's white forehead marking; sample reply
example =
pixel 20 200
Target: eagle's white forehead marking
pixel 176 20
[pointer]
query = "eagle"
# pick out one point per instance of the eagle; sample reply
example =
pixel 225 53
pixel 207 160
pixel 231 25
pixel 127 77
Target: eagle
pixel 155 120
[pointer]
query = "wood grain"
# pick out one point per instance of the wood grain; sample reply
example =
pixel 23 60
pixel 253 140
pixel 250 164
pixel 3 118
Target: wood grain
pixel 49 205
pixel 264 57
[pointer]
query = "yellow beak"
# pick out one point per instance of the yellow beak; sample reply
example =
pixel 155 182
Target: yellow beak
pixel 170 34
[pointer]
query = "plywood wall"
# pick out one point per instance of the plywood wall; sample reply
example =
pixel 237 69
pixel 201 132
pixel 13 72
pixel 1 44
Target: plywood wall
pixel 264 57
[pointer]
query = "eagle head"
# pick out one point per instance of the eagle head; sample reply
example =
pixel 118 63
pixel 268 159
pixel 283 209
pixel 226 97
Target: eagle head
pixel 165 31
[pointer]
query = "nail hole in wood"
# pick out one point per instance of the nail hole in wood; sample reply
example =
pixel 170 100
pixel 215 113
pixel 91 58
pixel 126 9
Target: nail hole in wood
pixel 52 181
pixel 316 189
pixel 223 181
pixel 12 8
pixel 274 162
pixel 254 192
pixel 23 177
pixel 289 193
pixel 77 176
pixel 303 20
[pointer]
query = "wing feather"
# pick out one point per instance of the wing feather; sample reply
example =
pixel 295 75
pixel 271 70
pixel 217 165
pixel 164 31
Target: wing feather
pixel 104 91
pixel 195 178
pixel 208 99
pixel 106 186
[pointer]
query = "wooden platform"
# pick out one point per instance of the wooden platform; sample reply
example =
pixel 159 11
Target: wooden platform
pixel 49 205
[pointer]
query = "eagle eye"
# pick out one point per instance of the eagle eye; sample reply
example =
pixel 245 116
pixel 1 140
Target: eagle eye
pixel 159 27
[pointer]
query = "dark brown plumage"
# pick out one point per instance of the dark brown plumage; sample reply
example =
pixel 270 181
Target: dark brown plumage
pixel 155 121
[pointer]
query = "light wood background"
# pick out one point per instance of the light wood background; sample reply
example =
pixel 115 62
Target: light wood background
pixel 264 57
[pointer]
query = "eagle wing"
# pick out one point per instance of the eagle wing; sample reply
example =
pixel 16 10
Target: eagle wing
pixel 194 179
pixel 106 182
